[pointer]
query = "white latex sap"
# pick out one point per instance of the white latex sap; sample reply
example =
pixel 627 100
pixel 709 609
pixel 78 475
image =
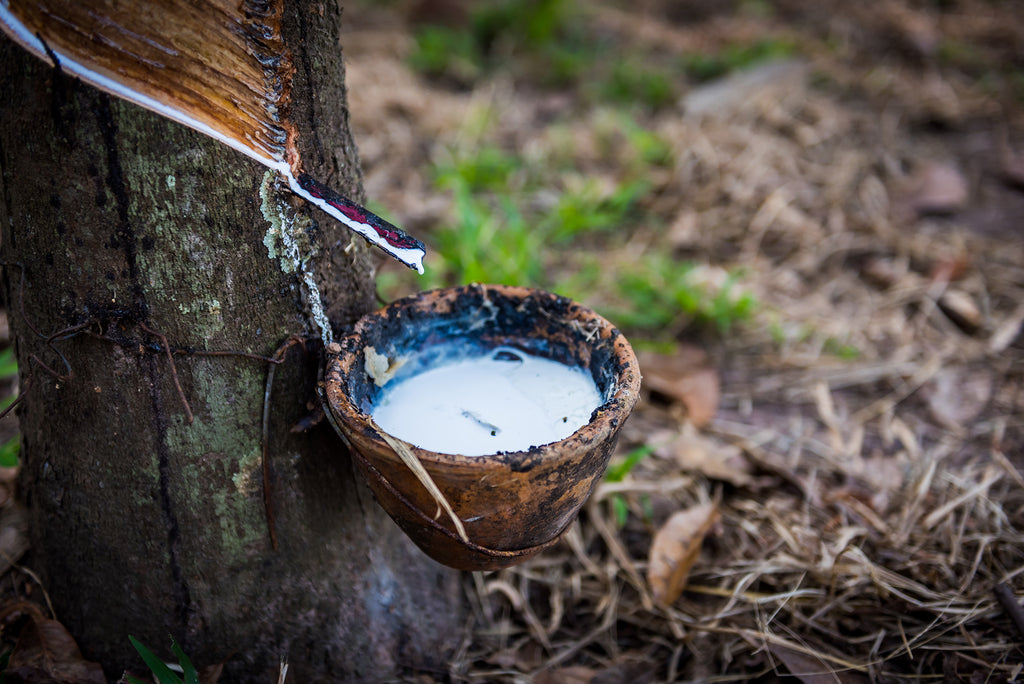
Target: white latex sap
pixel 505 401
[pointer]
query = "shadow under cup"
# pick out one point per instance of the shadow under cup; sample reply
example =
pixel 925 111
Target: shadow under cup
pixel 511 504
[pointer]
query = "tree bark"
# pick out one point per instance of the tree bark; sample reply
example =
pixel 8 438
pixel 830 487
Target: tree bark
pixel 141 523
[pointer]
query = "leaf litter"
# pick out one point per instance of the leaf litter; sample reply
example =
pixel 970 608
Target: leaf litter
pixel 675 549
pixel 44 650
pixel 863 431
pixel 861 435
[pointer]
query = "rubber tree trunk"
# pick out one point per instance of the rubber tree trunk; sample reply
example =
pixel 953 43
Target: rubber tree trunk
pixel 141 523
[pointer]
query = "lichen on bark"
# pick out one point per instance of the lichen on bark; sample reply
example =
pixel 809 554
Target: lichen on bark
pixel 139 521
pixel 288 240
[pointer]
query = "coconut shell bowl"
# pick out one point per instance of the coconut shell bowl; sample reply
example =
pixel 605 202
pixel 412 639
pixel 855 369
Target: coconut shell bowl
pixel 482 512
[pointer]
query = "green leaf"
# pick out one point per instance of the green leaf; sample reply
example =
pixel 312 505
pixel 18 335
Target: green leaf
pixel 9 452
pixel 191 676
pixel 157 666
pixel 618 472
pixel 8 364
pixel 621 509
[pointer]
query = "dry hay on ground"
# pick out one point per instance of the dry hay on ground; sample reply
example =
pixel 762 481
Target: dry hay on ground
pixel 881 509
pixel 870 506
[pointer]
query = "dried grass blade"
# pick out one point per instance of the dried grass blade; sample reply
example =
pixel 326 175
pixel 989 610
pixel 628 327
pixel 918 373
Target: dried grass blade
pixel 619 553
pixel 980 489
pixel 413 463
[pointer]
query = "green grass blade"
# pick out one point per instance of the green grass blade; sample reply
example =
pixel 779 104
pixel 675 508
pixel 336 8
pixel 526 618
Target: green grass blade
pixel 8 364
pixel 191 676
pixel 9 452
pixel 618 471
pixel 157 666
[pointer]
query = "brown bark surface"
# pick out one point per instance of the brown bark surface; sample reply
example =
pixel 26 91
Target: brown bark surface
pixel 143 523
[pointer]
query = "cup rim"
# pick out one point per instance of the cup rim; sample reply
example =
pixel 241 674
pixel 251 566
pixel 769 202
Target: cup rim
pixel 605 419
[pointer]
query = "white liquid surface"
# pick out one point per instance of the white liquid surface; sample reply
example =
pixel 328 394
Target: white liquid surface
pixel 505 401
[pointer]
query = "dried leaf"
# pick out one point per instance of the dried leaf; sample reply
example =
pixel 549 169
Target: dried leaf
pixel 812 670
pixel 960 308
pixel 912 30
pixel 675 548
pixel 884 272
pixel 950 268
pixel 957 396
pixel 45 652
pixel 716 460
pixel 933 188
pixel 885 477
pixel 686 377
pixel 576 674
pixel 1007 332
pixel 684 231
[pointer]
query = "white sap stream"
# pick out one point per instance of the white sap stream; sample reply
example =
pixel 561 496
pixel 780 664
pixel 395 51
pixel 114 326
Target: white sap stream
pixel 505 401
pixel 21 34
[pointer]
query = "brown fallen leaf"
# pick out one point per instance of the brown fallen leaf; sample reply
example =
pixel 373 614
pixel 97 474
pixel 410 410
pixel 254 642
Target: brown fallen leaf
pixel 934 188
pixel 675 548
pixel 885 272
pixel 956 396
pixel 575 674
pixel 684 231
pixel 884 477
pixel 813 670
pixel 716 460
pixel 911 30
pixel 46 652
pixel 686 377
pixel 1007 332
pixel 950 268
pixel 960 308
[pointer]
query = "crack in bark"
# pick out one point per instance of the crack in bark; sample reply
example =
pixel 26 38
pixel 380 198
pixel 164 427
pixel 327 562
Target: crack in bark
pixel 307 68
pixel 180 593
pixel 125 234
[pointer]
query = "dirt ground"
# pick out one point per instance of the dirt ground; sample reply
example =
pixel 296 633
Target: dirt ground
pixel 842 468
pixel 824 478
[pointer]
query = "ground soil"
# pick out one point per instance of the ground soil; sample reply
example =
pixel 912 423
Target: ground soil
pixel 864 439
pixel 860 436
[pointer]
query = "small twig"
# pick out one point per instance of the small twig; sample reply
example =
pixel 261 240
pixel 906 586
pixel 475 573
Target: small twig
pixel 83 328
pixel 34 576
pixel 1007 599
pixel 34 361
pixel 184 351
pixel 174 370
pixel 228 352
